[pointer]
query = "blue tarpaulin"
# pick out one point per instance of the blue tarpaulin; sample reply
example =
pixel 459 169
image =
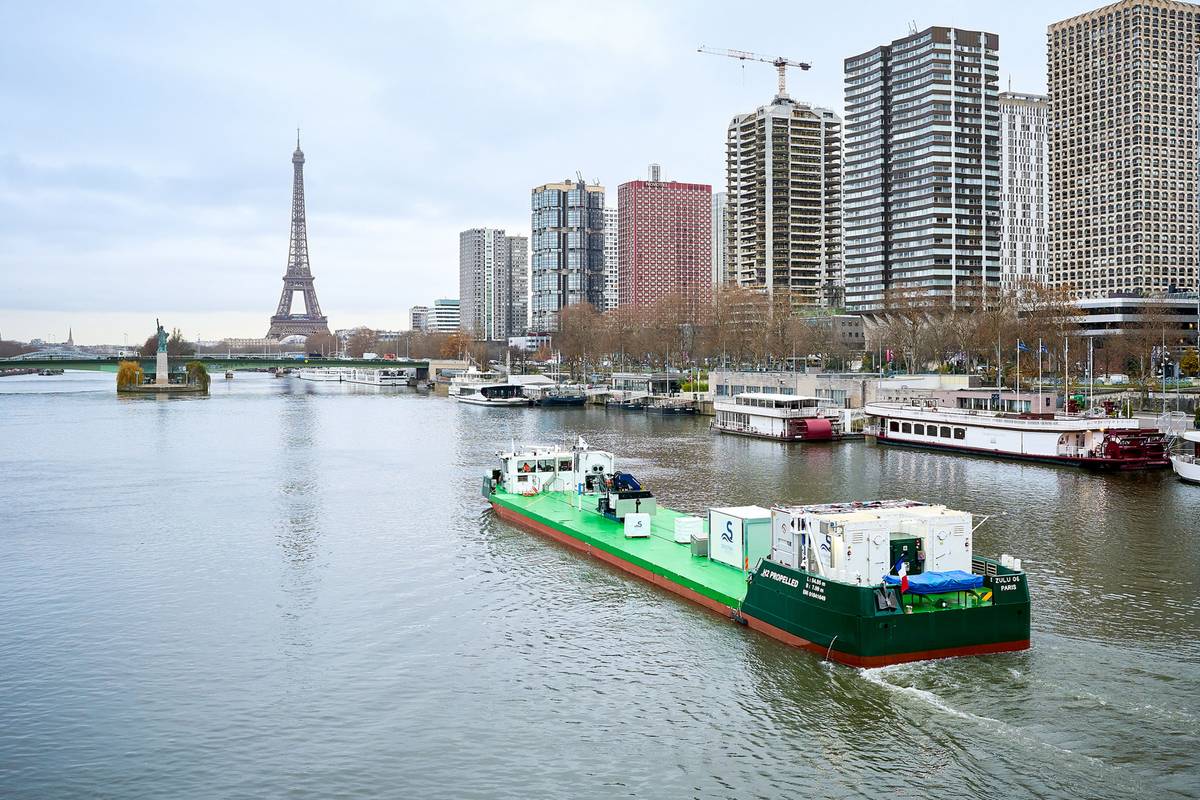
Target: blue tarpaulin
pixel 954 580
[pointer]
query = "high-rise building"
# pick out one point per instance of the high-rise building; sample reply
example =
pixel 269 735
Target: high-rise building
pixel 1123 154
pixel 1024 207
pixel 783 170
pixel 717 227
pixel 611 276
pixel 446 316
pixel 568 249
pixel 492 270
pixel 666 242
pixel 922 181
pixel 516 293
pixel 418 318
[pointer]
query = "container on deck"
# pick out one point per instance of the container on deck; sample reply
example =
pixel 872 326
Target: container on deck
pixel 686 528
pixel 740 535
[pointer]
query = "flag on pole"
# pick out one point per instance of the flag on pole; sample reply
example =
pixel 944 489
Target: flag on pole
pixel 1044 350
pixel 1022 347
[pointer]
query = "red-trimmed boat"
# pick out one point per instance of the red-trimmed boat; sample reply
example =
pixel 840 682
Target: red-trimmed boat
pixel 1097 442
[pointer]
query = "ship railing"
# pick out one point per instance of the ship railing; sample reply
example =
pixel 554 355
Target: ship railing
pixel 1009 421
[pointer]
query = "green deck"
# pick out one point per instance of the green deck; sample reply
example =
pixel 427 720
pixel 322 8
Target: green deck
pixel 657 553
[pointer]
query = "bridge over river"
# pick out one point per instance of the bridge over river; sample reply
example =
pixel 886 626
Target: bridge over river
pixel 215 364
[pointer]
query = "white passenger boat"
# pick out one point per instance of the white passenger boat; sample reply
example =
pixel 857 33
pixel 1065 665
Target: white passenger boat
pixel 492 394
pixel 1187 465
pixel 783 417
pixel 1087 441
pixel 331 374
pixel 383 376
pixel 472 377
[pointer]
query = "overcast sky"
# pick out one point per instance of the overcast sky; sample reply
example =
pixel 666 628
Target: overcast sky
pixel 145 148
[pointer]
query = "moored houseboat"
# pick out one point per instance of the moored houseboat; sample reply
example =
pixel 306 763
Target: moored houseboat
pixel 1185 464
pixel 382 376
pixel 783 417
pixel 864 583
pixel 1097 442
pixel 491 394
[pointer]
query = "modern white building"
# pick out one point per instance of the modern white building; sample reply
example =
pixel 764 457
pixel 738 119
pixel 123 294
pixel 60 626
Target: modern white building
pixel 1122 83
pixel 922 176
pixel 445 317
pixel 1024 189
pixel 783 170
pixel 611 252
pixel 492 282
pixel 418 318
pixel 719 254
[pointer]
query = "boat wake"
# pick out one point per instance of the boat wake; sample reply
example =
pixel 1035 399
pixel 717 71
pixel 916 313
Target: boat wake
pixel 878 676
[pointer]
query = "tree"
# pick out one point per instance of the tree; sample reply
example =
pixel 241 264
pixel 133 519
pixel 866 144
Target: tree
pixel 176 346
pixel 324 343
pixel 457 345
pixel 130 373
pixel 361 341
pixel 1189 363
pixel 10 348
pixel 197 374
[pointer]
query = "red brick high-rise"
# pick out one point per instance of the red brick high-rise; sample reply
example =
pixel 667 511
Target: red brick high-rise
pixel 664 245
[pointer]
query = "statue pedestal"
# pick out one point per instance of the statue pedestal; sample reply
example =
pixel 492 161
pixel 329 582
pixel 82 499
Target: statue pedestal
pixel 161 375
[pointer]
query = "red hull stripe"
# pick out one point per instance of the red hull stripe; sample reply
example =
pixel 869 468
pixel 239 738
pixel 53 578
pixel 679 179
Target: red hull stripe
pixel 658 580
pixel 853 660
pixel 509 515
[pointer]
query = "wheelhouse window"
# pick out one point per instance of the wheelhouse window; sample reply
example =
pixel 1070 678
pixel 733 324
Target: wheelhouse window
pixel 526 466
pixel 564 465
pixel 546 465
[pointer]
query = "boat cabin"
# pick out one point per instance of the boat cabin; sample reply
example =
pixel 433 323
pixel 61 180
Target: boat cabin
pixel 778 416
pixel 861 543
pixel 491 391
pixel 543 468
pixel 653 383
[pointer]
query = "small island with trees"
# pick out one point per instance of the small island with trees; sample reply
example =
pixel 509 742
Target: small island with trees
pixel 131 376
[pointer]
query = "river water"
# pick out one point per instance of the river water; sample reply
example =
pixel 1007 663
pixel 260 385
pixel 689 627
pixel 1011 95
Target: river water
pixel 295 589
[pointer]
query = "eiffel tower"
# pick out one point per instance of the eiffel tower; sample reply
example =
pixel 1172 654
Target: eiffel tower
pixel 298 277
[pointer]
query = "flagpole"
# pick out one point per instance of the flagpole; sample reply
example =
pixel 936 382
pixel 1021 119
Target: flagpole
pixel 1039 374
pixel 1066 374
pixel 1091 375
pixel 1018 375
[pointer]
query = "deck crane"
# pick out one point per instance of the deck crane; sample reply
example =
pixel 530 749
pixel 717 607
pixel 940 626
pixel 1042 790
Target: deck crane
pixel 779 62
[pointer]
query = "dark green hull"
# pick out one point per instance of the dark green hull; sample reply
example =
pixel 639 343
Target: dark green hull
pixel 837 620
pixel 846 623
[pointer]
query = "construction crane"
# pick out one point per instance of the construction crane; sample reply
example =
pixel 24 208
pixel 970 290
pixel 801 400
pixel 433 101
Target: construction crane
pixel 779 62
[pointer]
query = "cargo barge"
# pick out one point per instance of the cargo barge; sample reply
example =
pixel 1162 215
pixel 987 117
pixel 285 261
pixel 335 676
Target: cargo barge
pixel 866 583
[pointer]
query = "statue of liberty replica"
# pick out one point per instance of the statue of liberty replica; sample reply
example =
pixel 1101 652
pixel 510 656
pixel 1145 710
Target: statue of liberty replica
pixel 161 367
